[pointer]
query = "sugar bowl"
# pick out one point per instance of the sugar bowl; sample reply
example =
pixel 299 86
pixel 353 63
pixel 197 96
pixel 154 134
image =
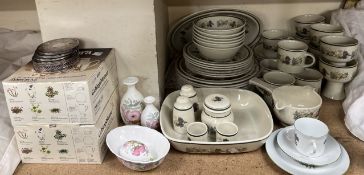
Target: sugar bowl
pixel 216 109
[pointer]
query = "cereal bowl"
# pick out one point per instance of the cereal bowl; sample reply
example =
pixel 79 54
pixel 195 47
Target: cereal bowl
pixel 220 25
pixel 147 142
pixel 338 49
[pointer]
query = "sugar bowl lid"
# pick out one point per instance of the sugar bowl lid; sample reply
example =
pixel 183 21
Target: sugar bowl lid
pixel 217 102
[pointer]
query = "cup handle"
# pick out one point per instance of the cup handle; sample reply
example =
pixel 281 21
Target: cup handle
pixel 314 147
pixel 312 57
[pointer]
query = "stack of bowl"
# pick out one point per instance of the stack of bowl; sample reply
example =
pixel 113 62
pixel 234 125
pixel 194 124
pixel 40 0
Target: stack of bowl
pixel 219 38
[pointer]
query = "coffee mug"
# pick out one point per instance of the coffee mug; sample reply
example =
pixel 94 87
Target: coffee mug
pixel 309 77
pixel 197 131
pixel 272 37
pixel 292 56
pixel 303 23
pixel 310 136
pixel 226 132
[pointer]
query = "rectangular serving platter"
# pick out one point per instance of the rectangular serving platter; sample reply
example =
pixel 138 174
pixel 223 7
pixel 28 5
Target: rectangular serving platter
pixel 251 114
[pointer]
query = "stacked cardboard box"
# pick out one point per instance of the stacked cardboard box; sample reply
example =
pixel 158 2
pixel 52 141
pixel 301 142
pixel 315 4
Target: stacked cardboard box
pixel 64 117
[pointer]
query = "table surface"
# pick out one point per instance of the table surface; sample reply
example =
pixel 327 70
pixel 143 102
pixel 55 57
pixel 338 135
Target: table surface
pixel 256 162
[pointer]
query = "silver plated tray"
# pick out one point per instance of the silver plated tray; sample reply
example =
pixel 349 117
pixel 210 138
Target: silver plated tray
pixel 251 115
pixel 181 33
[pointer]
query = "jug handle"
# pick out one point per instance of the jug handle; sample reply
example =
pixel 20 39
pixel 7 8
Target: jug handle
pixel 262 84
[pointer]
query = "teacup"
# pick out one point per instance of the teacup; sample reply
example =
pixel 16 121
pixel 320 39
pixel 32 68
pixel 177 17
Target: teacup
pixel 318 31
pixel 310 136
pixel 303 23
pixel 272 37
pixel 309 77
pixel 268 65
pixel 197 131
pixel 226 131
pixel 292 56
pixel 291 102
pixel 338 49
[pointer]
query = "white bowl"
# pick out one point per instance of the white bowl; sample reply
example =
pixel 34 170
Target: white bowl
pixel 220 25
pixel 201 36
pixel 157 144
pixel 217 54
pixel 216 45
pixel 239 40
pixel 212 36
pixel 339 49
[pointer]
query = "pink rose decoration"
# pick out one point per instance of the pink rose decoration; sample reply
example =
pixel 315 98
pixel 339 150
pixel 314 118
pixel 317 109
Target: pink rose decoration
pixel 152 124
pixel 138 150
pixel 133 116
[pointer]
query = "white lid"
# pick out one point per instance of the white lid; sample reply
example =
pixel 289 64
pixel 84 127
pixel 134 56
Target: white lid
pixel 149 99
pixel 187 91
pixel 183 102
pixel 217 102
pixel 130 81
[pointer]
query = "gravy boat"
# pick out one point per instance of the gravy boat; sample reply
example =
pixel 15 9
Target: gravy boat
pixel 291 102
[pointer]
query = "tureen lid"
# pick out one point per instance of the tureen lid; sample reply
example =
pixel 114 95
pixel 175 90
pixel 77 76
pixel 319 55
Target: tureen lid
pixel 187 91
pixel 217 102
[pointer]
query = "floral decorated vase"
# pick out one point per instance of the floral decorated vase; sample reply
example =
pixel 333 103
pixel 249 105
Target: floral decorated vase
pixel 131 103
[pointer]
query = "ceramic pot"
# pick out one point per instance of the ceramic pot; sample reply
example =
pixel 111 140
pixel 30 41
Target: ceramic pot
pixel 217 109
pixel 303 23
pixel 183 114
pixel 318 31
pixel 131 103
pixel 336 76
pixel 338 49
pixel 150 114
pixel 292 102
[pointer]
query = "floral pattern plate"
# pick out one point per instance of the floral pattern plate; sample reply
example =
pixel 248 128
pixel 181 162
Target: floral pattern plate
pixel 181 32
pixel 251 115
pixel 292 166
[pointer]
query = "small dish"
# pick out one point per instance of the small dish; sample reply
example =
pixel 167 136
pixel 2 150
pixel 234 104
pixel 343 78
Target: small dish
pixel 252 116
pixel 285 140
pixel 157 144
pixel 292 166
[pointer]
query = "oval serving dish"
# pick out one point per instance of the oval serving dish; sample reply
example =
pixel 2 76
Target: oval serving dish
pixel 252 116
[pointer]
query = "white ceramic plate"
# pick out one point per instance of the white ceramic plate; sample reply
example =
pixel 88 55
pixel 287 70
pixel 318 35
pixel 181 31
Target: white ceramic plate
pixel 181 33
pixel 292 166
pixel 250 112
pixel 285 140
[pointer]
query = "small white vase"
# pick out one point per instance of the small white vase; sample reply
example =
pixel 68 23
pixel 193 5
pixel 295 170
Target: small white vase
pixel 131 103
pixel 150 114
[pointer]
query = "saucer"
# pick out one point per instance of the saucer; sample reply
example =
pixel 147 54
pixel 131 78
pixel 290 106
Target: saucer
pixel 285 141
pixel 292 166
pixel 262 53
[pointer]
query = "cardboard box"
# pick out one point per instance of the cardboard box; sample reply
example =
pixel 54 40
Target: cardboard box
pixel 68 143
pixel 76 96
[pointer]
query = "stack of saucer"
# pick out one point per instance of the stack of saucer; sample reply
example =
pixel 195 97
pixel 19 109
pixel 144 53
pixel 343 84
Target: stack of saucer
pixel 307 148
pixel 56 55
pixel 219 38
pixel 200 72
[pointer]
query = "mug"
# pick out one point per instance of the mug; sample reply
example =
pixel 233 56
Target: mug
pixel 303 23
pixel 292 55
pixel 318 31
pixel 309 77
pixel 310 136
pixel 226 131
pixel 197 131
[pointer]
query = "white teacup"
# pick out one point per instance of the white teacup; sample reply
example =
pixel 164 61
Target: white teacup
pixel 272 37
pixel 303 23
pixel 226 131
pixel 292 56
pixel 310 136
pixel 320 30
pixel 197 131
pixel 309 77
